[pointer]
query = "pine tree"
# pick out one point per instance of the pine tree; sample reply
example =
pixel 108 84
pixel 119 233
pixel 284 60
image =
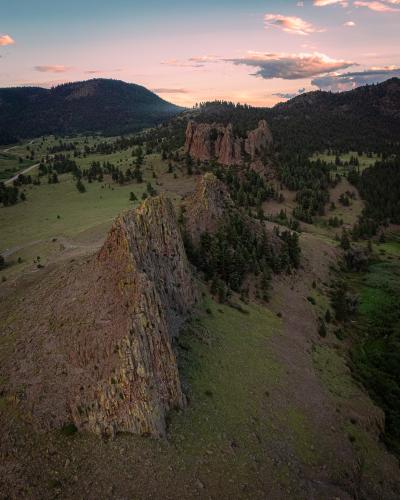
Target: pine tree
pixel 80 186
pixel 344 240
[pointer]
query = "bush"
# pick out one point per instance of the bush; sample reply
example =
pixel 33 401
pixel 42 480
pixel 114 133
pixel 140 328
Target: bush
pixel 80 186
pixel 322 328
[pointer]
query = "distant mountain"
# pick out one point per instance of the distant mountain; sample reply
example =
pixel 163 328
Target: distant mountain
pixel 105 106
pixel 366 118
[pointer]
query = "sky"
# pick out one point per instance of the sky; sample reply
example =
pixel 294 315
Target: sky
pixel 251 51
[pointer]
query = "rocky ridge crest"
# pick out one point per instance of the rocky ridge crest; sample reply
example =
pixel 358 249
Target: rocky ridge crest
pixel 99 353
pixel 206 142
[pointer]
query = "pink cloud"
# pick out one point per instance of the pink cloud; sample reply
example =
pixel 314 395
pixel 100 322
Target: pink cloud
pixel 53 68
pixel 170 91
pixel 291 66
pixel 190 63
pixel 350 24
pixel 204 59
pixel 6 40
pixel 378 6
pixel 101 71
pixel 346 81
pixel 290 24
pixel 324 3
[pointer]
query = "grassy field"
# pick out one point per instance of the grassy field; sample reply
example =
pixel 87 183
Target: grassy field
pixel 54 212
pixel 229 368
pixel 55 209
pixel 375 334
pixel 364 160
pixel 10 165
pixel 58 210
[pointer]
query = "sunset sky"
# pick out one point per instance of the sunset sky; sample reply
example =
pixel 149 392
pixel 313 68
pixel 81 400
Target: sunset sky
pixel 253 51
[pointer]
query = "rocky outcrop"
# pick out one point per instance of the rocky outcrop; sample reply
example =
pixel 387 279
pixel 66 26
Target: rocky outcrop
pixel 206 142
pixel 207 206
pixel 99 352
pixel 258 140
pixel 146 261
pixel 210 206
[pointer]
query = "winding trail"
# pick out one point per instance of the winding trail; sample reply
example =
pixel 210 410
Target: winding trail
pixel 26 170
pixel 15 177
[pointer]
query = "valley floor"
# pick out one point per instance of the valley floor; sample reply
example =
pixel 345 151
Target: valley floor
pixel 273 410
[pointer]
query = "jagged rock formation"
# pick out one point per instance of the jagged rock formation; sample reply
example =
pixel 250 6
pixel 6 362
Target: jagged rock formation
pixel 208 205
pixel 145 256
pixel 258 139
pixel 100 351
pixel 215 141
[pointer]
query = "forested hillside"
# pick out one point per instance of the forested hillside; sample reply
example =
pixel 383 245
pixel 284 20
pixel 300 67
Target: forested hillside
pixel 363 119
pixel 95 106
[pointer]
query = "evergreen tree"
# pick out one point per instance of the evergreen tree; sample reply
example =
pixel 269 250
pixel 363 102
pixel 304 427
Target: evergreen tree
pixel 80 186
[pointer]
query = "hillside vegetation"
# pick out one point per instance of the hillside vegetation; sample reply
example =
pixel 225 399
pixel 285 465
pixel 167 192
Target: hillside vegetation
pixel 103 106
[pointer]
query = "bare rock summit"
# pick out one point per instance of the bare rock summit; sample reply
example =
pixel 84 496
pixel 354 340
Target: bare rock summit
pixel 206 142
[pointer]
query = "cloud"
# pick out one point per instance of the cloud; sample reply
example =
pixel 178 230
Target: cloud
pixel 350 24
pixel 378 6
pixel 101 71
pixel 6 40
pixel 170 91
pixel 192 62
pixel 351 80
pixel 291 66
pixel 290 24
pixel 183 64
pixel 55 68
pixel 324 3
pixel 289 95
pixel 300 4
pixel 204 59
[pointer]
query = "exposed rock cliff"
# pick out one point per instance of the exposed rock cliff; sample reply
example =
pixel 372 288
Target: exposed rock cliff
pixel 146 261
pixel 210 206
pixel 214 141
pixel 100 352
pixel 207 206
pixel 258 139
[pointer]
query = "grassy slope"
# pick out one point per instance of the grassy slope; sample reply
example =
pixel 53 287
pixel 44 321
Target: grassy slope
pixel 376 353
pixel 10 165
pixel 364 160
pixel 221 442
pixel 28 228
pixel 37 218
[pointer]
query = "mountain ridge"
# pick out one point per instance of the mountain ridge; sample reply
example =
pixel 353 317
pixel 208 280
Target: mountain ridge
pixel 365 119
pixel 98 105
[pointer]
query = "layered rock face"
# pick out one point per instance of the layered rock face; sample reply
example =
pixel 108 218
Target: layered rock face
pixel 145 258
pixel 207 207
pixel 258 140
pixel 214 141
pixel 210 206
pixel 100 349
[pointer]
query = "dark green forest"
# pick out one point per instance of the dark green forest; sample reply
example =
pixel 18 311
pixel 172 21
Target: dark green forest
pixel 108 107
